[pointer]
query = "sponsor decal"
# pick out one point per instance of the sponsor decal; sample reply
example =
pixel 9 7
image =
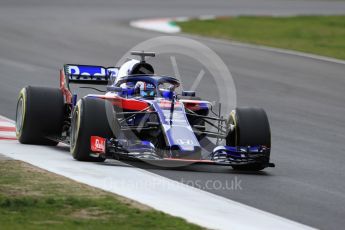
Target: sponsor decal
pixel 97 144
pixel 88 72
pixel 184 142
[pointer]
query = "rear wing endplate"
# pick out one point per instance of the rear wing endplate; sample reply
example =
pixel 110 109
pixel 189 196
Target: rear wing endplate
pixel 90 74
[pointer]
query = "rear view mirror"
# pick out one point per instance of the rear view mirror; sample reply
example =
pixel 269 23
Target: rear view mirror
pixel 188 93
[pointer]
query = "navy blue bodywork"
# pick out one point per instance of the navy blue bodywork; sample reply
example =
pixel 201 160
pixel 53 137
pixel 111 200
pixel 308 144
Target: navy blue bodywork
pixel 178 138
pixel 161 125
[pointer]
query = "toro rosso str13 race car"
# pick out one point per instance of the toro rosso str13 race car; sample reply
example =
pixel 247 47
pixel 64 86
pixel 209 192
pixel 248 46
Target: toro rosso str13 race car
pixel 140 116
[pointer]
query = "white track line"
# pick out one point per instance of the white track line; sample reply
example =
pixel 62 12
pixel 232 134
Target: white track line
pixel 194 205
pixel 162 25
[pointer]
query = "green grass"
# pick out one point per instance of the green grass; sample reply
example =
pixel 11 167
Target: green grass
pixel 323 35
pixel 31 198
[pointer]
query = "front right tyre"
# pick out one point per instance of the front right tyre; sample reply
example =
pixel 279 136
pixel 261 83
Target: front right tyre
pixel 250 128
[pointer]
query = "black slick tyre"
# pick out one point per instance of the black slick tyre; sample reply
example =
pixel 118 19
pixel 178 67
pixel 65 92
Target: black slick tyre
pixel 39 115
pixel 89 119
pixel 250 128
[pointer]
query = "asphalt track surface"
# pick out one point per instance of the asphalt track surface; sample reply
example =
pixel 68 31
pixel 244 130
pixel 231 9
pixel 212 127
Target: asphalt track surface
pixel 304 97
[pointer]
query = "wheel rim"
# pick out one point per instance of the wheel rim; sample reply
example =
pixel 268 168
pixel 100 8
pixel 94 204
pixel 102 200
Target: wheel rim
pixel 74 128
pixel 20 115
pixel 233 138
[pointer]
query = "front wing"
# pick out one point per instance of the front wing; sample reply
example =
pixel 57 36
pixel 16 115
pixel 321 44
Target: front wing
pixel 145 151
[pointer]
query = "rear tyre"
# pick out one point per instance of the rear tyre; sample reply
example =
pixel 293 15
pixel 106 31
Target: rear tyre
pixel 89 119
pixel 251 128
pixel 39 115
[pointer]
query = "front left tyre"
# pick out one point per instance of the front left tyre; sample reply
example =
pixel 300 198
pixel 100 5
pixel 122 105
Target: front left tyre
pixel 89 119
pixel 39 115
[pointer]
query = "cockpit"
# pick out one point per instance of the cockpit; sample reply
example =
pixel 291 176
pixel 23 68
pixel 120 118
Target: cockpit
pixel 136 79
pixel 147 86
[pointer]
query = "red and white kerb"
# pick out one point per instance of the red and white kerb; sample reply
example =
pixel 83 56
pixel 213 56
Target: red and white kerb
pixel 7 129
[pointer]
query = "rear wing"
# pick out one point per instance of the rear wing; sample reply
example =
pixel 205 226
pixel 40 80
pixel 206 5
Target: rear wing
pixel 89 74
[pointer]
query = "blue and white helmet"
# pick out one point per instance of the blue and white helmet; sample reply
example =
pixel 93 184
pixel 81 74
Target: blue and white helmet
pixel 126 69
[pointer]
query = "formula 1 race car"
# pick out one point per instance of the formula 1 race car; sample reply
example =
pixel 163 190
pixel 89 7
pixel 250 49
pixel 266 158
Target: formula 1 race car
pixel 140 116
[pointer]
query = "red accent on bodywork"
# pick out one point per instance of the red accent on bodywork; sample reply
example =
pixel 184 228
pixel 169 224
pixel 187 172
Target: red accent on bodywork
pixel 126 103
pixel 64 89
pixel 165 104
pixel 192 104
pixel 130 104
pixel 97 144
